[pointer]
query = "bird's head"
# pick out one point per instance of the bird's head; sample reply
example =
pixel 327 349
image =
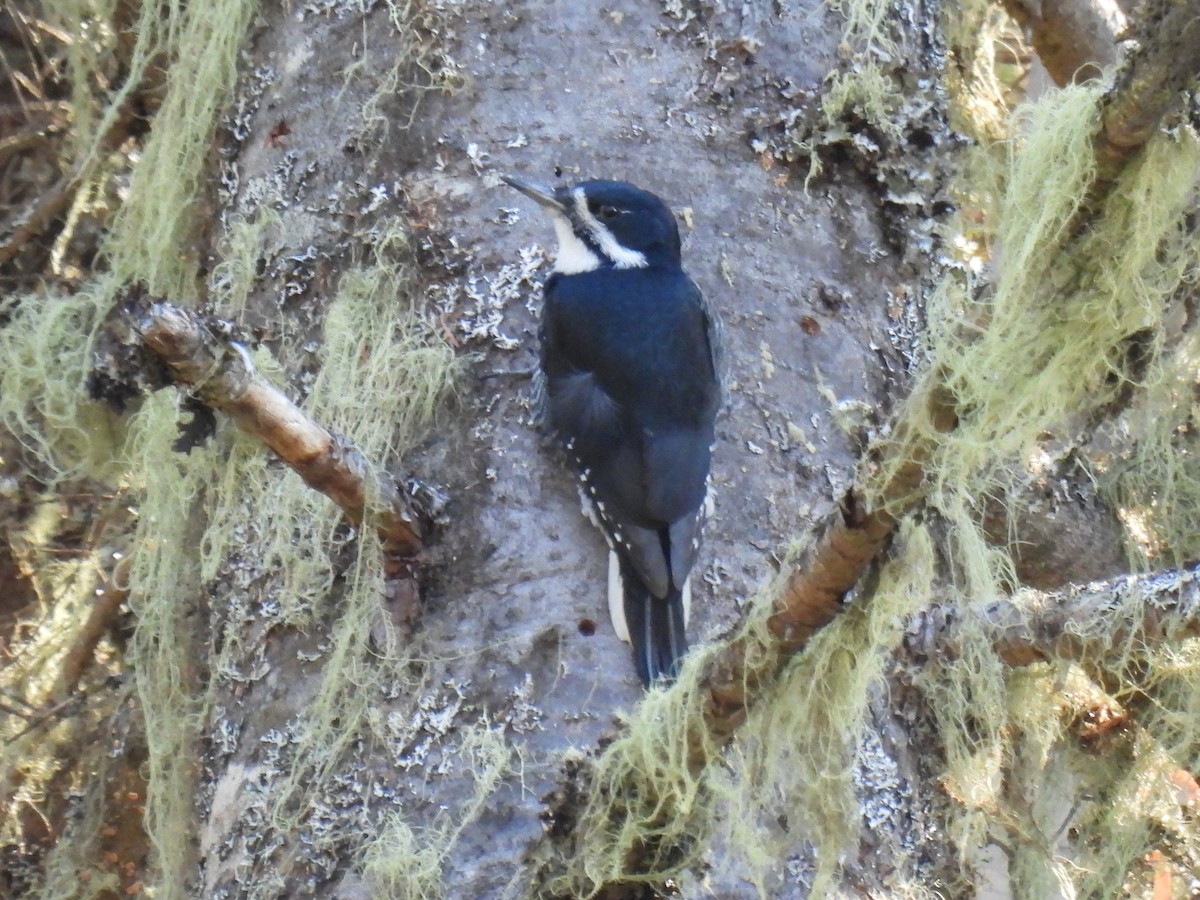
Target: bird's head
pixel 606 224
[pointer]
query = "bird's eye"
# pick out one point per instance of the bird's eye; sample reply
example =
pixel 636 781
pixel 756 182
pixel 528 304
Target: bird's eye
pixel 608 212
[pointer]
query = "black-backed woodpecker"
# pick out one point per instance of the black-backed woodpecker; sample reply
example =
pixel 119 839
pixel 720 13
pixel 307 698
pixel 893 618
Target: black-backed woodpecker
pixel 628 371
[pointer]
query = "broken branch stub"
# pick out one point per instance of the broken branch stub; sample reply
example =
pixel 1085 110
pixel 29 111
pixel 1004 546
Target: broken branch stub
pixel 221 375
pixel 1074 39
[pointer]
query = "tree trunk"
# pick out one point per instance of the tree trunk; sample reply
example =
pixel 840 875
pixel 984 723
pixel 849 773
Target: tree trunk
pixel 325 743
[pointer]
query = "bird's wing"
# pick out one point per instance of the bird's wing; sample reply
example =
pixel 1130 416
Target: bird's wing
pixel 676 484
pixel 677 463
pixel 612 463
pixel 714 333
pixel 648 486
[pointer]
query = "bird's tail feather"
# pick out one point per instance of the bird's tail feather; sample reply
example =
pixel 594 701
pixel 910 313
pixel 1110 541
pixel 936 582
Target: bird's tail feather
pixel 656 628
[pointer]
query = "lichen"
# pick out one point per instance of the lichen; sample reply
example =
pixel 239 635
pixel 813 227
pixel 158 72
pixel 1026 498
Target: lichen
pixel 794 759
pixel 378 380
pixel 1038 351
pixel 420 65
pixel 1153 479
pixel 1075 320
pixel 402 862
pixel 165 598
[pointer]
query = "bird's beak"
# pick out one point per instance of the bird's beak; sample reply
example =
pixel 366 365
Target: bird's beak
pixel 541 195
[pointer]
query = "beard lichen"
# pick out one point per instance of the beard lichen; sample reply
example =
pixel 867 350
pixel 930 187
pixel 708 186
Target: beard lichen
pixel 421 65
pixel 795 767
pixel 154 238
pixel 1151 476
pixel 165 597
pixel 48 352
pixel 790 770
pixel 378 383
pixel 1042 351
pixel 403 862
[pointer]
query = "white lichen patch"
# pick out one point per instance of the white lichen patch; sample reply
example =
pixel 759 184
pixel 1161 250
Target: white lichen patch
pixel 521 715
pixel 415 734
pixel 479 304
pixel 883 794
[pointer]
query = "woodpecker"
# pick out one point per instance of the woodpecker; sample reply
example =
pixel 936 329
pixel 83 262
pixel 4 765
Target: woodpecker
pixel 629 383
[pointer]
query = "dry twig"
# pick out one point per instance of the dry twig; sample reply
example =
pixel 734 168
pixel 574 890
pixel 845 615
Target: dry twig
pixel 1082 624
pixel 1149 87
pixel 113 592
pixel 221 375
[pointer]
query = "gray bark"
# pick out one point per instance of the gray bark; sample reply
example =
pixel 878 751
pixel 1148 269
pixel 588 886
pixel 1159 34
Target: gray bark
pixel 818 292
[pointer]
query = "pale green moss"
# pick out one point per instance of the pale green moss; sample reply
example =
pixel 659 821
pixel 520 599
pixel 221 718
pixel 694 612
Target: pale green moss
pixel 1045 352
pixel 1155 482
pixel 866 25
pixel 154 237
pixel 791 760
pixel 401 862
pixel 47 353
pixel 165 597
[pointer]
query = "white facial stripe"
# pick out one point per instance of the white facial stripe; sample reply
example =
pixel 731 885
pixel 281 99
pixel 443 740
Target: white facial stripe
pixel 574 256
pixel 622 257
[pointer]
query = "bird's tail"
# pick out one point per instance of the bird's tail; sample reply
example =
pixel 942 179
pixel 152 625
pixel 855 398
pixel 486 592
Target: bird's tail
pixel 656 627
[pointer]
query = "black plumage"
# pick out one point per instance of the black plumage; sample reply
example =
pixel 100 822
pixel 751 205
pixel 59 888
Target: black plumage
pixel 628 362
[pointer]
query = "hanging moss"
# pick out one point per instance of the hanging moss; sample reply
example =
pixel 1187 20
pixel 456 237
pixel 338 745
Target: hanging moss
pixel 401 862
pixel 1036 354
pixel 1154 480
pixel 165 594
pixel 154 237
pixel 793 759
pixel 47 350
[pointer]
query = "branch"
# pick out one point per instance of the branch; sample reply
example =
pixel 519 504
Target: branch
pixel 856 534
pixel 51 204
pixel 33 134
pixel 1151 84
pixel 848 544
pixel 38 215
pixel 221 375
pixel 1074 39
pixel 1083 624
pixel 105 607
